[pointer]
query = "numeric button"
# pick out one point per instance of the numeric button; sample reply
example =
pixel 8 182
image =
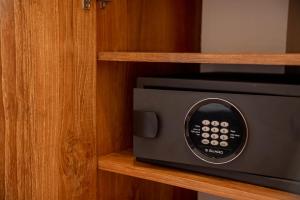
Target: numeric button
pixel 205 135
pixel 205 141
pixel 215 123
pixel 224 137
pixel 223 144
pixel 215 130
pixel 214 136
pixel 224 131
pixel 205 128
pixel 214 142
pixel 224 124
pixel 206 122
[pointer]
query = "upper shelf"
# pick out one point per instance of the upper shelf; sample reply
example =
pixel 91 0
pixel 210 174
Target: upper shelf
pixel 125 163
pixel 257 59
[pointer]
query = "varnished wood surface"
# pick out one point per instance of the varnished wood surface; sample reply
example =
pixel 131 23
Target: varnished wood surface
pixel 131 188
pixel 2 137
pixel 257 59
pixel 47 100
pixel 157 25
pixel 125 163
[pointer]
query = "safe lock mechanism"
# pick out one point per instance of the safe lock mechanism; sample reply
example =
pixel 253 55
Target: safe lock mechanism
pixel 215 131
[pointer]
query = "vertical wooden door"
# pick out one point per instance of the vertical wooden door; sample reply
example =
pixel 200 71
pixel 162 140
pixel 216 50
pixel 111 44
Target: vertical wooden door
pixel 47 100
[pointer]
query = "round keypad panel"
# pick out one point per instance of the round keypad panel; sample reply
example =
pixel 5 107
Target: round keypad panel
pixel 216 131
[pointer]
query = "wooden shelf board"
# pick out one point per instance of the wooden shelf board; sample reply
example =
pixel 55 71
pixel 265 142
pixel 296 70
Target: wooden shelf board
pixel 257 59
pixel 125 163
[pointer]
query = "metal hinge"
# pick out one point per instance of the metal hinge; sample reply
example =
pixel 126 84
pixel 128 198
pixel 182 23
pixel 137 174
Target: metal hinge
pixel 103 3
pixel 87 3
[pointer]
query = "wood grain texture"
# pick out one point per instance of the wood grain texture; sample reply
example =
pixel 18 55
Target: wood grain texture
pixel 136 25
pixel 47 100
pixel 164 25
pixel 126 187
pixel 257 59
pixel 8 100
pixel 124 163
pixel 2 137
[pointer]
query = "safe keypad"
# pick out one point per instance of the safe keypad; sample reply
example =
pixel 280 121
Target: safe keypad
pixel 213 133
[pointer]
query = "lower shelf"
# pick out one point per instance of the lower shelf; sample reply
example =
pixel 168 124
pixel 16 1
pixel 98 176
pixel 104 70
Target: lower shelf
pixel 257 59
pixel 125 163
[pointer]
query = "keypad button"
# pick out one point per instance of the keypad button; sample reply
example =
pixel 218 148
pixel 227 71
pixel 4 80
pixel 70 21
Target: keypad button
pixel 206 122
pixel 223 144
pixel 214 142
pixel 214 136
pixel 205 141
pixel 215 130
pixel 224 124
pixel 205 128
pixel 205 135
pixel 215 123
pixel 224 137
pixel 224 130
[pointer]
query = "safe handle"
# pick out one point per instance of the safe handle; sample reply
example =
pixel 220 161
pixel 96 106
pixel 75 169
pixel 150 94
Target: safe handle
pixel 145 124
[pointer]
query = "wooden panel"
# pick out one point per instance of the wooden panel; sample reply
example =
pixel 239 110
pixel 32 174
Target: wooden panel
pixel 136 25
pixel 47 100
pixel 124 163
pixel 164 25
pixel 257 59
pixel 125 187
pixel 2 138
pixel 8 101
pixel 293 39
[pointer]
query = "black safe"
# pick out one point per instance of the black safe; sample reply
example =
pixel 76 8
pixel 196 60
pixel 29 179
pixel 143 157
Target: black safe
pixel 231 126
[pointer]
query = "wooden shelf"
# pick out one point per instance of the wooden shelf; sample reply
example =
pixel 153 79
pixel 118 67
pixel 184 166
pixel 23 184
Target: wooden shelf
pixel 258 59
pixel 125 163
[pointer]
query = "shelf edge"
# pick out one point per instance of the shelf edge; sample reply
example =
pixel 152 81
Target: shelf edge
pixel 251 59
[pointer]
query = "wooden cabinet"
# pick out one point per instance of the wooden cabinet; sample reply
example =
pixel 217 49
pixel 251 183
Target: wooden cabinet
pixel 153 38
pixel 67 78
pixel 47 100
